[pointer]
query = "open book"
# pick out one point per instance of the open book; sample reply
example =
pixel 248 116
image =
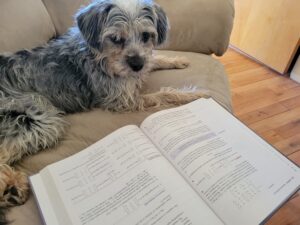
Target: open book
pixel 194 164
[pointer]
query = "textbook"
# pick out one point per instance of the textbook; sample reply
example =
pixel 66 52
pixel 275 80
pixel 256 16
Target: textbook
pixel 191 165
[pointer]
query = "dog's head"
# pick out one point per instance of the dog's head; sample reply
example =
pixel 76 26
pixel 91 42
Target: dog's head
pixel 123 33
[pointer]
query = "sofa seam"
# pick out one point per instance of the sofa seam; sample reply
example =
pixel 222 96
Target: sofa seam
pixel 231 4
pixel 55 35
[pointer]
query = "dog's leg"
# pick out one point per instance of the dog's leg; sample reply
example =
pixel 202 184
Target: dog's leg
pixel 163 63
pixel 28 123
pixel 169 97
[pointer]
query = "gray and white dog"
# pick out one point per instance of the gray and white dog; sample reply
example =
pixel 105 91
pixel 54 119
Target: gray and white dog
pixel 101 62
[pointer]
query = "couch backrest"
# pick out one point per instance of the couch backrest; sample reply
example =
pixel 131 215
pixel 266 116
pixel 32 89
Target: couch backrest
pixel 24 24
pixel 62 12
pixel 202 26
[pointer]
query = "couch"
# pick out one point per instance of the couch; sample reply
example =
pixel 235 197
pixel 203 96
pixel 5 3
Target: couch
pixel 199 28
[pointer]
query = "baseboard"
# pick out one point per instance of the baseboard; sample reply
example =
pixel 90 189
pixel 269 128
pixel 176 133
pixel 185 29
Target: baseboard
pixel 295 74
pixel 254 59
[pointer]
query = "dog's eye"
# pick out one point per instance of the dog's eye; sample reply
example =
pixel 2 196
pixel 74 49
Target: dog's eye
pixel 117 41
pixel 145 37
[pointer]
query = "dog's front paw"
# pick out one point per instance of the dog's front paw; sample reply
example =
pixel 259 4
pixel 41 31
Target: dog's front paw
pixel 180 62
pixel 14 188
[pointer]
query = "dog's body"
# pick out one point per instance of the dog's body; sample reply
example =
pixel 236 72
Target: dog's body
pixel 102 62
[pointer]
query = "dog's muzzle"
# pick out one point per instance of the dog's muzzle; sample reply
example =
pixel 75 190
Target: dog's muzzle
pixel 135 62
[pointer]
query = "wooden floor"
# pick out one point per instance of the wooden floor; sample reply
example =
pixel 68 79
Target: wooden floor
pixel 269 104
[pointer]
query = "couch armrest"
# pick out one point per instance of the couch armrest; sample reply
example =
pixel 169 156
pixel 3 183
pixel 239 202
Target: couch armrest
pixel 202 26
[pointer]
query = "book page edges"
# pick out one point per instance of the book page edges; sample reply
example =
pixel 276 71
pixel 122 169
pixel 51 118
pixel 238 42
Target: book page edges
pixel 280 205
pixel 42 199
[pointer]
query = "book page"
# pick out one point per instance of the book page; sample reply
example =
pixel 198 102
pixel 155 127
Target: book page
pixel 123 179
pixel 241 177
pixel 41 194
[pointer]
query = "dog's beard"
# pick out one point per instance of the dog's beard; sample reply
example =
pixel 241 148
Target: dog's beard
pixel 117 67
pixel 123 70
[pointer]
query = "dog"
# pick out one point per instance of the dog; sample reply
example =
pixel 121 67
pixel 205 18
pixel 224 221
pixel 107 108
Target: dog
pixel 101 62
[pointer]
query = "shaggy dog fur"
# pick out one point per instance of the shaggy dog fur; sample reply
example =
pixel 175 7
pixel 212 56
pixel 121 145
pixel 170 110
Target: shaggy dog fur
pixel 101 62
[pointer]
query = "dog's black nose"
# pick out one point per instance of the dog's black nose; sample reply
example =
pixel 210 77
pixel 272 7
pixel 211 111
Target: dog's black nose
pixel 135 62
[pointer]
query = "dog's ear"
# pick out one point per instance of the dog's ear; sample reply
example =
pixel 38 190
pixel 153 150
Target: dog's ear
pixel 91 20
pixel 162 24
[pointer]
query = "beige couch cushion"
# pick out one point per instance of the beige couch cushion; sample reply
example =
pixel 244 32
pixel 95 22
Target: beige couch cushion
pixel 62 12
pixel 24 24
pixel 89 127
pixel 202 26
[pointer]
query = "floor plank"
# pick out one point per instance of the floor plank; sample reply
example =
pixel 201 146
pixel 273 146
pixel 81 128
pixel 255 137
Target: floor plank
pixel 263 113
pixel 270 105
pixel 295 157
pixel 250 76
pixel 290 145
pixel 292 102
pixel 278 121
pixel 288 214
